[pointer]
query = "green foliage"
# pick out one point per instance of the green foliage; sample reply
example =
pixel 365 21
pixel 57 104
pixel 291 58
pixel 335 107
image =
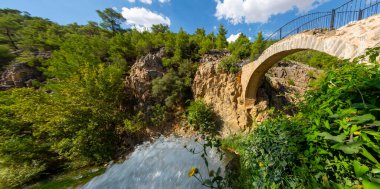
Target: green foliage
pixel 270 155
pixel 5 56
pixel 70 179
pixel 160 115
pixel 229 64
pixel 201 117
pixel 10 23
pixel 258 46
pixel 135 123
pixel 343 132
pixel 315 59
pixel 16 175
pixel 112 20
pixel 175 86
pixel 221 41
pixel 241 48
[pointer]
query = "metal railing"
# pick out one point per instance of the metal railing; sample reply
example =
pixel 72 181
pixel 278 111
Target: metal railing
pixel 351 11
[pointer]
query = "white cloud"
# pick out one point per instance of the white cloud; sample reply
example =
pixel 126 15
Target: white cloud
pixel 143 19
pixel 142 1
pixel 164 1
pixel 146 1
pixel 255 11
pixel 233 37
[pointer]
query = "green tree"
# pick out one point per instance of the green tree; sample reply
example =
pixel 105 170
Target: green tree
pixel 10 23
pixel 258 46
pixel 5 56
pixel 241 48
pixel 39 34
pixel 159 28
pixel 112 20
pixel 182 44
pixel 174 88
pixel 221 41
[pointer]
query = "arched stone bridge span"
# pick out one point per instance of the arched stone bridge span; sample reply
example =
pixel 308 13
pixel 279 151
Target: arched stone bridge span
pixel 347 42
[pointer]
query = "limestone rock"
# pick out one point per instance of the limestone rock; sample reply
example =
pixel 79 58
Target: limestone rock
pixel 222 91
pixel 139 81
pixel 19 75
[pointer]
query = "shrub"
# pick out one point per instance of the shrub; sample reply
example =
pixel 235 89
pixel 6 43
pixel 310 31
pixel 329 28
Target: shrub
pixel 201 117
pixel 160 115
pixel 343 127
pixel 315 59
pixel 15 175
pixel 270 155
pixel 174 88
pixel 229 64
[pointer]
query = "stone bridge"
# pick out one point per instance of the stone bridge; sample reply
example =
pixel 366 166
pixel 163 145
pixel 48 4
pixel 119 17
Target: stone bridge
pixel 346 42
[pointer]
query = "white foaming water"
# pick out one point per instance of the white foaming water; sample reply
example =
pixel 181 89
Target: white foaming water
pixel 161 165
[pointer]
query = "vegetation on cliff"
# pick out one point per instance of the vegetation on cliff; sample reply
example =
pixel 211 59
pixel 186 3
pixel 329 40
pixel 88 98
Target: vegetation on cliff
pixel 333 142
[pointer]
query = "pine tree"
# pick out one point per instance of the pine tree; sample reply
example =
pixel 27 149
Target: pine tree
pixel 221 41
pixel 258 46
pixel 112 20
pixel 241 48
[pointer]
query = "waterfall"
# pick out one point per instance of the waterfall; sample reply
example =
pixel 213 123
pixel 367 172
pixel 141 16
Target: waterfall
pixel 163 164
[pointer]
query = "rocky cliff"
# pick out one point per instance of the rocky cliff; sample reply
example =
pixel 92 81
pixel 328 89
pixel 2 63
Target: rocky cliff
pixel 139 81
pixel 20 74
pixel 222 91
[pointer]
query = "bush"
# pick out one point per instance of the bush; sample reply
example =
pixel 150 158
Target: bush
pixel 229 64
pixel 343 127
pixel 15 175
pixel 174 88
pixel 200 117
pixel 315 59
pixel 160 115
pixel 271 155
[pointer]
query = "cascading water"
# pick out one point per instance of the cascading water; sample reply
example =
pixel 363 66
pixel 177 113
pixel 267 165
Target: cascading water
pixel 161 165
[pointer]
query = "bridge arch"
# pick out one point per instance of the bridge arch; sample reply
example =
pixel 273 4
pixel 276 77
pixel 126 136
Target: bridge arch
pixel 347 42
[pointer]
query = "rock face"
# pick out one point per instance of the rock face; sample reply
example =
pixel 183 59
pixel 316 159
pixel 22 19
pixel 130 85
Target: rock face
pixel 284 85
pixel 223 92
pixel 139 81
pixel 19 75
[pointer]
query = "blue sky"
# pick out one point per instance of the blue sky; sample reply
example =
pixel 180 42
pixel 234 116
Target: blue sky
pixel 248 17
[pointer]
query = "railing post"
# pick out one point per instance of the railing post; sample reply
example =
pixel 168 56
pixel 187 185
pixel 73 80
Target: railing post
pixel 332 23
pixel 280 33
pixel 360 14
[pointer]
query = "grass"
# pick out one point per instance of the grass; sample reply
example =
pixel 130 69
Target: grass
pixel 70 179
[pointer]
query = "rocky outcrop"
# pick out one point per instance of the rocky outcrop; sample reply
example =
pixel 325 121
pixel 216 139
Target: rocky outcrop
pixel 139 81
pixel 223 92
pixel 284 85
pixel 19 75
